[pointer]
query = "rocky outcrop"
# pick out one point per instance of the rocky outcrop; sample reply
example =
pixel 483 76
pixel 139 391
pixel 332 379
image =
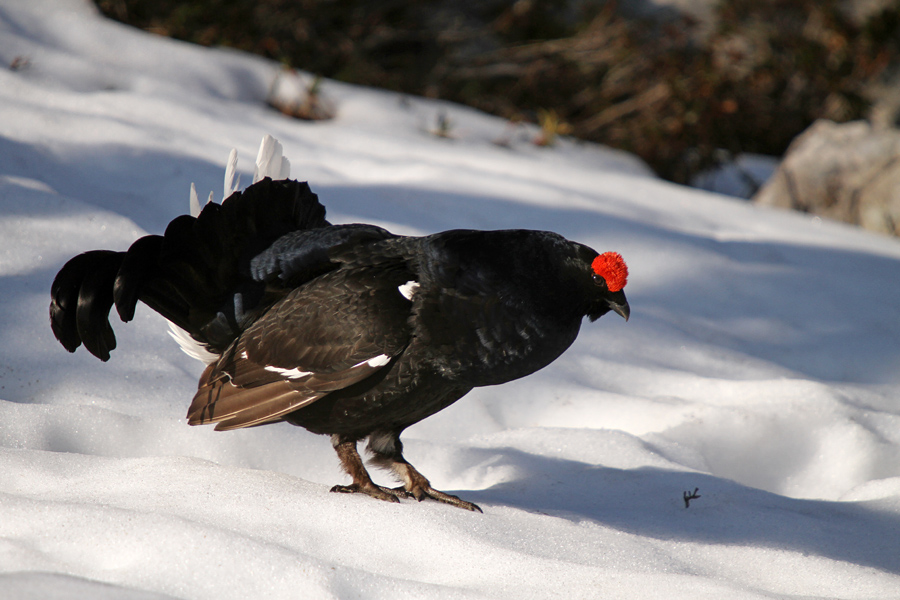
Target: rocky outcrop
pixel 849 172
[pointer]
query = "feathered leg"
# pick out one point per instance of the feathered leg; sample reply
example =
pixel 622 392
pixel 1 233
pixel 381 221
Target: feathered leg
pixel 362 483
pixel 387 452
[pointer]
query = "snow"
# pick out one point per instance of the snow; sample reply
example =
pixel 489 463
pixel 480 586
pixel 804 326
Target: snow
pixel 761 363
pixel 741 176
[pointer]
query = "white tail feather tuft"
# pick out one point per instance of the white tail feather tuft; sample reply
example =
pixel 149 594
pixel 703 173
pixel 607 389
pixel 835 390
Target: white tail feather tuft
pixel 195 207
pixel 270 161
pixel 194 201
pixel 190 346
pixel 232 179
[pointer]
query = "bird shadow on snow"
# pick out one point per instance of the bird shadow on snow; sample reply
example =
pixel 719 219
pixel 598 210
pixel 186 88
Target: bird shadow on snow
pixel 649 501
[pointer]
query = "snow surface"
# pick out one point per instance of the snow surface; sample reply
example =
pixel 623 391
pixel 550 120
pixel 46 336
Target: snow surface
pixel 761 364
pixel 741 176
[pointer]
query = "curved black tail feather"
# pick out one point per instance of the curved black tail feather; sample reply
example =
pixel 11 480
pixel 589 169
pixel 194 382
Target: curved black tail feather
pixel 197 275
pixel 81 296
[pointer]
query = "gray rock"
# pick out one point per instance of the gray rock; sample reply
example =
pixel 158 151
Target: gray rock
pixel 849 172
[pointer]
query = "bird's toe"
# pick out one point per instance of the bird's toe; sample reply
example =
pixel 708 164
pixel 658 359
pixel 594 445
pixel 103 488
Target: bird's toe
pixel 375 491
pixel 422 492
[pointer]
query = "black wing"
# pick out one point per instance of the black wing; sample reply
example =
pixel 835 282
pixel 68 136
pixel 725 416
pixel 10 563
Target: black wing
pixel 336 331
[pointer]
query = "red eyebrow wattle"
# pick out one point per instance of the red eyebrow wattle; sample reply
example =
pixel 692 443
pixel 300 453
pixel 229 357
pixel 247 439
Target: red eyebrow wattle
pixel 611 267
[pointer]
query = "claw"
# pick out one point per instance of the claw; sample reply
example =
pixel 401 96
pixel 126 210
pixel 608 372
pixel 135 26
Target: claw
pixel 420 488
pixel 394 495
pixel 375 491
pixel 429 492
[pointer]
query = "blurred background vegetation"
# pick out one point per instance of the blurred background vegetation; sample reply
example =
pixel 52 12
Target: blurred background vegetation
pixel 679 92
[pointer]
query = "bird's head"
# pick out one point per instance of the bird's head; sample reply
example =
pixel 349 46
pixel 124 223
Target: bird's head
pixel 609 274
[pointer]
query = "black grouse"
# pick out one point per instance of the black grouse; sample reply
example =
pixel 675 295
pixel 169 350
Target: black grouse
pixel 345 330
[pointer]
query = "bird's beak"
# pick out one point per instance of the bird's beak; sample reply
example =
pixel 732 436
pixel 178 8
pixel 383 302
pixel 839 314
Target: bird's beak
pixel 620 305
pixel 622 310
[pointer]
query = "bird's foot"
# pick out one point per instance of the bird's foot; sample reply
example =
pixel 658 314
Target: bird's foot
pixel 376 491
pixel 388 455
pixel 420 492
pixel 394 494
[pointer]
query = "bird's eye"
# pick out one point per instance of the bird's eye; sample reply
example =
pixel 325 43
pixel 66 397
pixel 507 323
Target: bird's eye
pixel 599 280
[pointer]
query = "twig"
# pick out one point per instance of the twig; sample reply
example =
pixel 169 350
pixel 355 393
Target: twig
pixel 688 496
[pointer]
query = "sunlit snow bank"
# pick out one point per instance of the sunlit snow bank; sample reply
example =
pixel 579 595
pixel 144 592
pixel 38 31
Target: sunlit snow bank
pixel 761 364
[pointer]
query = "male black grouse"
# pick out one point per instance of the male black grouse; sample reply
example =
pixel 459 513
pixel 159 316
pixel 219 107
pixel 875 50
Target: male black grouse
pixel 346 330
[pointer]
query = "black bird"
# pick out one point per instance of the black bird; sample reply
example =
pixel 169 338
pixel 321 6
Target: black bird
pixel 345 330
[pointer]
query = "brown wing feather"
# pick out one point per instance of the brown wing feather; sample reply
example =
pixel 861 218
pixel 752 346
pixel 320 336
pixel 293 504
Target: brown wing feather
pixel 232 407
pixel 321 338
